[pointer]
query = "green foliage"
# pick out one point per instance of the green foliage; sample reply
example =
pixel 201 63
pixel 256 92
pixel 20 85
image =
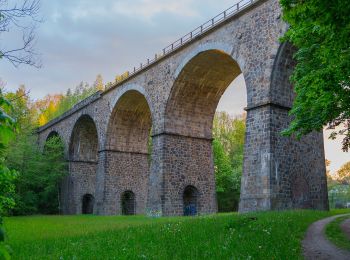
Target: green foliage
pixel 339 196
pixel 7 188
pixel 37 186
pixel 54 106
pixel 229 133
pixel 320 29
pixel 7 176
pixel 265 235
pixel 336 235
pixel 344 173
pixel 7 123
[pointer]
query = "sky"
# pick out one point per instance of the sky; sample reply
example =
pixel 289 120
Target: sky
pixel 82 38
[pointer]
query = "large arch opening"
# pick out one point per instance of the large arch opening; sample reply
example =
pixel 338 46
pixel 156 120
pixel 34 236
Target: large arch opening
pixel 196 93
pixel 189 117
pixel 54 139
pixel 83 160
pixel 84 140
pixel 128 203
pixel 128 148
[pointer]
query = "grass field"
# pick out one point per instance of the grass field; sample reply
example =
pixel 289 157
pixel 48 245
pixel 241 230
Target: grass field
pixel 269 235
pixel 336 235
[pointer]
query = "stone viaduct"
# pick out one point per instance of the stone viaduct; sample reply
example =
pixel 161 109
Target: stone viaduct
pixel 172 99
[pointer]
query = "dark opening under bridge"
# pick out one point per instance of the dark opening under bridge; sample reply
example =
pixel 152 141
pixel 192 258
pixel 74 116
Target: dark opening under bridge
pixel 176 95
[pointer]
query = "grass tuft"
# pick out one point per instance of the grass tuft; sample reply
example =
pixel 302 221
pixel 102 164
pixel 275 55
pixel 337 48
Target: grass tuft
pixel 335 234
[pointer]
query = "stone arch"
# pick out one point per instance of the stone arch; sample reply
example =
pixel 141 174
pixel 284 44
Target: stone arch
pixel 88 201
pixel 297 177
pixel 51 134
pixel 190 200
pixel 130 123
pixel 129 87
pixel 187 138
pixel 300 191
pixel 127 148
pixel 84 140
pixel 83 161
pixel 128 203
pixel 196 92
pixel 221 46
pixel 281 90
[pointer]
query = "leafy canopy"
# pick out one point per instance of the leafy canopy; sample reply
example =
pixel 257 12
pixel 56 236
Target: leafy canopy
pixel 41 172
pixel 343 173
pixel 229 133
pixel 320 29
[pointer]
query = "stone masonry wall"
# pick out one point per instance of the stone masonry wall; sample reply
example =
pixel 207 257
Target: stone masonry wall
pixel 125 172
pixel 82 181
pixel 185 161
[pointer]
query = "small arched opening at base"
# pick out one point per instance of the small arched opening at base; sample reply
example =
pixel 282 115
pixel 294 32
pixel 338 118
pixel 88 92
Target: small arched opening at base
pixel 88 204
pixel 128 203
pixel 190 201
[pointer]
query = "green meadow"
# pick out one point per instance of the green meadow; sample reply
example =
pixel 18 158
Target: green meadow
pixel 267 235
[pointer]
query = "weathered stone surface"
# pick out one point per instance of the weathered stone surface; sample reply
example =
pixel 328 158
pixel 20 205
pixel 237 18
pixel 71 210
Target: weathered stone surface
pixel 177 97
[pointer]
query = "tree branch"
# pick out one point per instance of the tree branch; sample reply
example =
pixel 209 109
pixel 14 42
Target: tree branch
pixel 16 17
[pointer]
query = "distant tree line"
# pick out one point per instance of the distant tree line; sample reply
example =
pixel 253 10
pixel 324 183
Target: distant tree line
pixel 53 106
pixel 339 186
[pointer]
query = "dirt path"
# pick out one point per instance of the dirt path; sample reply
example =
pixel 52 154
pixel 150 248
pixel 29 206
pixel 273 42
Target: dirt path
pixel 316 246
pixel 345 226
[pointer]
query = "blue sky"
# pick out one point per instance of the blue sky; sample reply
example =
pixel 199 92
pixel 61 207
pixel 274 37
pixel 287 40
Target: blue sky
pixel 82 38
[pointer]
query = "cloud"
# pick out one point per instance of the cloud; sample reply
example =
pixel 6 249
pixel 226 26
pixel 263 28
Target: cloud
pixel 149 8
pixel 82 38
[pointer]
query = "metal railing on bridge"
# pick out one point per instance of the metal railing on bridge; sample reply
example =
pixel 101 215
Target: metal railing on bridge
pixel 215 21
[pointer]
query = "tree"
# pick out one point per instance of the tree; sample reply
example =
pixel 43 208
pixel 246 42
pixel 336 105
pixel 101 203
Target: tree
pixel 98 84
pixel 7 128
pixel 320 29
pixel 227 189
pixel 41 172
pixel 7 176
pixel 344 174
pixel 53 106
pixel 15 17
pixel 229 133
pixel 331 180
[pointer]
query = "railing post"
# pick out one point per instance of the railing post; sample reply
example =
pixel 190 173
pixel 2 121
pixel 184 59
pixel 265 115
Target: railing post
pixel 164 51
pixel 172 46
pixel 134 69
pixel 201 28
pixel 212 22
pixel 148 61
pixel 181 41
pixel 141 65
pixel 224 15
pixel 191 35
pixel 237 6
